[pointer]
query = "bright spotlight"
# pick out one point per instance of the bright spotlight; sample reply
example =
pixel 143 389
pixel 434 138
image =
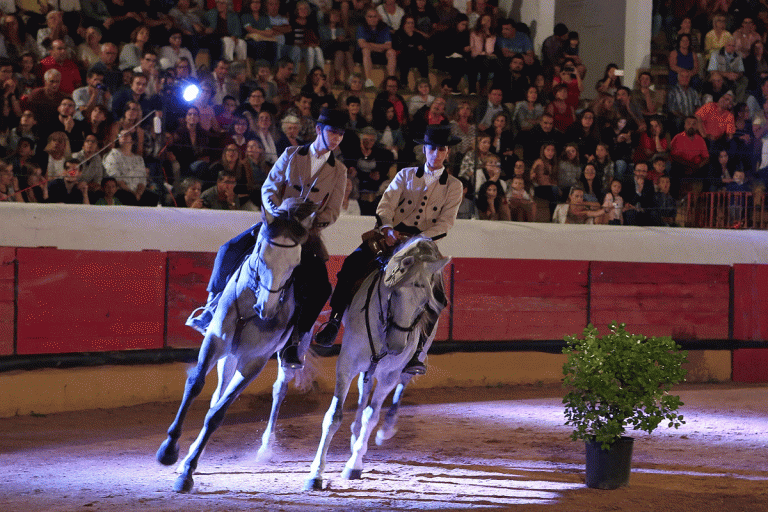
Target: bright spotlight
pixel 190 92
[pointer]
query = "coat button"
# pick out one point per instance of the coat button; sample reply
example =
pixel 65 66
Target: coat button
pixel 434 208
pixel 434 221
pixel 402 210
pixel 418 216
pixel 410 202
pixel 420 210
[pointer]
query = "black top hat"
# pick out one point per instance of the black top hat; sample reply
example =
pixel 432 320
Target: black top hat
pixel 333 118
pixel 438 135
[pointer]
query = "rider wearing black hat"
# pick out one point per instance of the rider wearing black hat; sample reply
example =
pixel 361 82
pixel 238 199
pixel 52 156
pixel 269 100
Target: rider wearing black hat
pixel 420 200
pixel 311 172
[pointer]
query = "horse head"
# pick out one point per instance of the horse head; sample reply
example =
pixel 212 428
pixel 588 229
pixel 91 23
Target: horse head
pixel 411 275
pixel 278 253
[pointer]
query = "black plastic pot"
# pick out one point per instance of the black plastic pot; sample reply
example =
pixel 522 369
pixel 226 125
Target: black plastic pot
pixel 609 469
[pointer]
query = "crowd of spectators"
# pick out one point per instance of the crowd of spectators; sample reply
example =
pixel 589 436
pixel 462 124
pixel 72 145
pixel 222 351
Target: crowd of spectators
pixel 92 107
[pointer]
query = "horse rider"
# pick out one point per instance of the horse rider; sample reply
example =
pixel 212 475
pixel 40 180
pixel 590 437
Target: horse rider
pixel 311 172
pixel 420 200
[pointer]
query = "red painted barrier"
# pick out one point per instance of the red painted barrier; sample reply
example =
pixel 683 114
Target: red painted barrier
pixel 750 321
pixel 89 301
pixel 7 258
pixel 660 299
pixel 188 274
pixel 497 300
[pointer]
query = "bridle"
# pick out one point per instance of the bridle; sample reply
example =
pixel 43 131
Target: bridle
pixel 260 261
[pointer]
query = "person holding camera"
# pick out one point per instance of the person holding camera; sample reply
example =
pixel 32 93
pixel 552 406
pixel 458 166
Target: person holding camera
pixel 92 94
pixel 571 79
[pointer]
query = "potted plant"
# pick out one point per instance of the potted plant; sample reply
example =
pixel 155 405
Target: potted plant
pixel 617 381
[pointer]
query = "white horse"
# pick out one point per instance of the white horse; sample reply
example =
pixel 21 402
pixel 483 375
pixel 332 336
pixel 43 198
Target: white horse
pixel 382 326
pixel 252 321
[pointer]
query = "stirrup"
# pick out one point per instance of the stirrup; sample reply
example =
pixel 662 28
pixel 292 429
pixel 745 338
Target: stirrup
pixel 289 358
pixel 414 366
pixel 326 336
pixel 200 319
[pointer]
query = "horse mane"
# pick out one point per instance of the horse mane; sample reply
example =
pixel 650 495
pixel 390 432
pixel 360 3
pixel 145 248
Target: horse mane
pixel 290 215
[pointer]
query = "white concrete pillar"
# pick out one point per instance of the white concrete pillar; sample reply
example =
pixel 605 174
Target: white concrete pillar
pixel 637 38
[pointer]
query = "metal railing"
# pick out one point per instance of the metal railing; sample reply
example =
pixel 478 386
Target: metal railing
pixel 726 210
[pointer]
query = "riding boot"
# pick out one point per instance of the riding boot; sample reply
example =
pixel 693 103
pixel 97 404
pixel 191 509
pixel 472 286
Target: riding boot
pixel 201 317
pixel 415 366
pixel 289 355
pixel 326 336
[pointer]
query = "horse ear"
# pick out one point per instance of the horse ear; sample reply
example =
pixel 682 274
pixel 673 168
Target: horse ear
pixel 397 269
pixel 437 266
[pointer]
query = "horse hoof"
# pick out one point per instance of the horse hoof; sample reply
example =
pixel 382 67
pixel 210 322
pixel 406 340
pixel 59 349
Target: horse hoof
pixel 313 484
pixel 382 436
pixel 352 474
pixel 183 484
pixel 168 453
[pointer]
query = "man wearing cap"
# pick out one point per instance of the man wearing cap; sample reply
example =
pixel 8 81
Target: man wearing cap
pixel 420 200
pixel 311 172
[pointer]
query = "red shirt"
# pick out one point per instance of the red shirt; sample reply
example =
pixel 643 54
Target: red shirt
pixel 70 73
pixel 689 151
pixel 716 122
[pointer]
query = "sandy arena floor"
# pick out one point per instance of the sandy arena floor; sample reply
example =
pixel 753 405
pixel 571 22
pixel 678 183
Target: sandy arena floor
pixel 457 449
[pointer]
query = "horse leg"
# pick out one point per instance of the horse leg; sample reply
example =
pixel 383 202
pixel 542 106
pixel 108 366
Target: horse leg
pixel 364 394
pixel 168 453
pixel 389 428
pixel 226 367
pixel 354 467
pixel 213 420
pixel 331 423
pixel 279 389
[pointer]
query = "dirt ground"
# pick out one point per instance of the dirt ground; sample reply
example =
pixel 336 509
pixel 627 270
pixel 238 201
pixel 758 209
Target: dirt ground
pixel 501 448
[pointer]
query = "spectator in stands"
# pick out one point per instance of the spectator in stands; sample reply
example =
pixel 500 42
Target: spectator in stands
pixel 225 34
pixel 756 66
pixel 389 134
pixel 572 79
pixel 462 127
pixel 109 188
pixel 9 184
pixel 568 167
pixel 91 165
pixel 664 205
pixel 54 29
pixel 59 60
pixel 716 120
pixel 686 28
pixel 10 105
pixel 653 142
pixel 629 110
pixel 491 171
pixel 289 127
pixel 27 79
pixel 574 211
pixel 513 82
pixel 356 120
pixel 337 46
pixel 302 110
pixel 593 187
pixel 682 101
pixel 253 106
pixel 638 194
pixel 729 63
pixel 354 87
pixel 521 207
pixel 562 113
pixel 611 82
pixel 646 96
pixel 572 54
pixel 716 38
pixel 425 116
pixel 303 41
pixel 491 203
pixel 467 209
pixel 127 167
pixel 511 42
pixel 319 90
pixel 544 175
pixel 284 98
pixel 189 22
pixel 171 53
pixel 370 164
pixel 189 193
pixel 606 169
pixel 721 171
pixel 532 140
pixel 191 145
pixel 26 128
pixel 689 156
pixel 131 53
pixel 231 161
pixel 715 87
pixel 502 141
pixel 452 56
pixel 18 40
pixel 205 106
pixel 44 100
pixel 92 94
pixel 473 160
pixel 222 196
pixel 476 8
pixel 389 93
pixel 527 112
pixel 613 204
pixel 684 60
pixel 486 111
pixel 446 15
pixel 412 50
pixel 35 188
pixel 107 66
pixel 585 134
pixel 482 42
pixel 392 15
pixel 137 93
pixel 746 36
pixel 239 134
pixel 374 45
pixel 553 49
pixel 66 123
pixel 266 133
pixel 69 189
pixel 425 15
pixel 421 97
pixel 87 53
